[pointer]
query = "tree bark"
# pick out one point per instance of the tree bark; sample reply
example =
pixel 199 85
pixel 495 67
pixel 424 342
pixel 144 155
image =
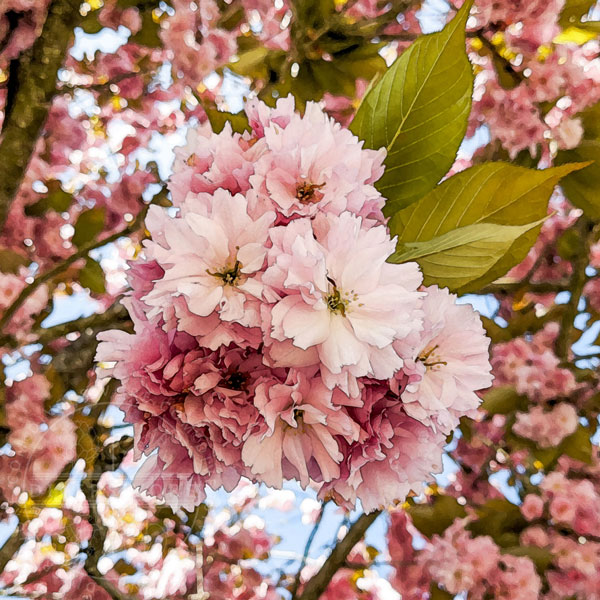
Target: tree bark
pixel 33 92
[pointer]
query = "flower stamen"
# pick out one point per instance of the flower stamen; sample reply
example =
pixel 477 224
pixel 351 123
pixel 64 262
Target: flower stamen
pixel 229 275
pixel 307 193
pixel 427 354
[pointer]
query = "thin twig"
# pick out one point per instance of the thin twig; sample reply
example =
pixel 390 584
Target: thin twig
pixel 576 285
pixel 319 582
pixel 65 264
pixel 311 537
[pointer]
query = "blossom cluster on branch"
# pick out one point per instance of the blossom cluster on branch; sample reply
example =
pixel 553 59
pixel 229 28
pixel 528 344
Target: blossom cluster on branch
pixel 276 325
pixel 273 340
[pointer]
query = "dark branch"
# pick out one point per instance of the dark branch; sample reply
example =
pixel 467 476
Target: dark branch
pixel 65 264
pixel 318 584
pixel 35 88
pixel 109 459
pixel 10 547
pixel 311 537
pixel 577 283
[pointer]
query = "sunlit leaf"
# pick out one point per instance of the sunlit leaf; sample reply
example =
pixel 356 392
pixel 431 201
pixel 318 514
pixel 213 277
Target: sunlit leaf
pixel 497 193
pixel 418 112
pixel 463 255
pixel 89 224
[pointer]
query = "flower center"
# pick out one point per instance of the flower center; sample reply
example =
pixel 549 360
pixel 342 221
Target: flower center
pixel 307 193
pixel 236 381
pixel 430 358
pixel 229 275
pixel 335 302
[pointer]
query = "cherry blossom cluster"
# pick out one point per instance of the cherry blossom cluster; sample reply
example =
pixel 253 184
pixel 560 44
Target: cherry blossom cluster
pixel 272 339
pixel 545 81
pixel 235 540
pixel 532 367
pixel 41 445
pixel 462 563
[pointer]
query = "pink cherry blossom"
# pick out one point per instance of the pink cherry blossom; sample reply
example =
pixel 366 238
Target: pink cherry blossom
pixel 451 356
pixel 341 297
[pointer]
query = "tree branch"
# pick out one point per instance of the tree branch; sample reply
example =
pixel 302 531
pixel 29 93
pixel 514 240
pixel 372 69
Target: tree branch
pixel 10 547
pixel 501 61
pixel 577 283
pixel 115 316
pixel 62 266
pixel 317 584
pixel 311 537
pixel 109 459
pixel 36 86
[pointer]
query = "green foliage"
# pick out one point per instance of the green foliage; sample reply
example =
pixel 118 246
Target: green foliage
pixel 218 118
pixel 148 35
pixel 578 446
pixel 499 519
pixel 462 255
pixel 491 193
pixel 330 52
pixel 418 112
pixel 503 400
pixel 90 23
pixel 92 277
pixel 573 11
pixel 582 188
pixel 436 593
pixel 541 557
pixel 89 224
pixel 56 199
pixel 436 517
pixel 10 261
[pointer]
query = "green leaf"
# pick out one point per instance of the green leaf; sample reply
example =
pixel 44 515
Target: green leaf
pixel 541 557
pixel 218 118
pixel 579 445
pixel 591 26
pixel 582 187
pixel 418 111
pixel 497 193
pixel 463 255
pixel 148 35
pixel 436 593
pixel 568 245
pixel 573 10
pixel 503 400
pixel 56 199
pixel 250 60
pixel 92 277
pixel 435 518
pixel 10 261
pixel 90 23
pixel 196 518
pixel 89 224
pixel 499 519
